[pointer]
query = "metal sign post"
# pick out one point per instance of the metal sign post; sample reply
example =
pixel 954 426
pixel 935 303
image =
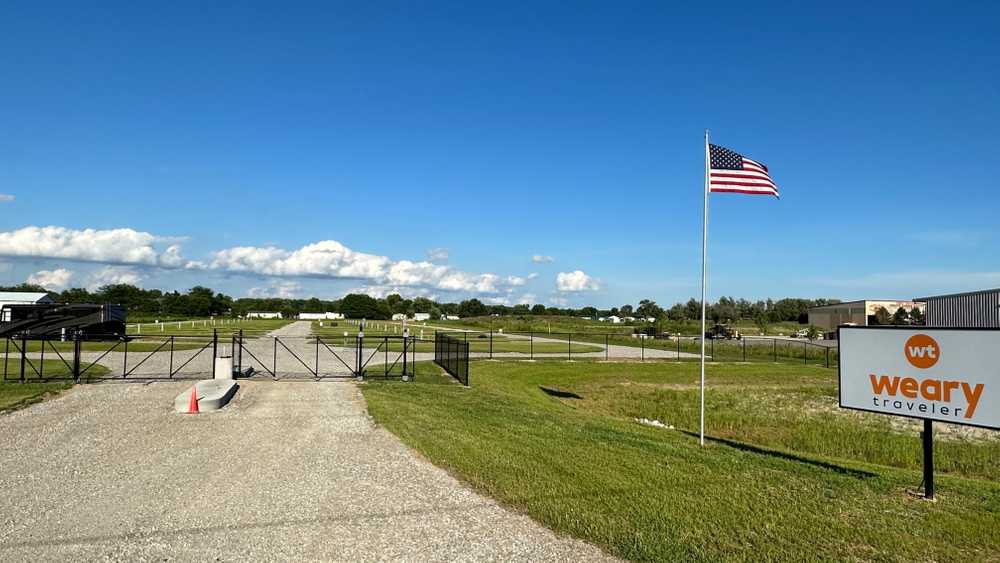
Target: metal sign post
pixel 927 437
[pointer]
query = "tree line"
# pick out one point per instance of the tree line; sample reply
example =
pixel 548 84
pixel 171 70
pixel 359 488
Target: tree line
pixel 202 301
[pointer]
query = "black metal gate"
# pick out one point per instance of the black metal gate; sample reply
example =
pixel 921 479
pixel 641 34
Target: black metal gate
pixel 77 358
pixel 452 354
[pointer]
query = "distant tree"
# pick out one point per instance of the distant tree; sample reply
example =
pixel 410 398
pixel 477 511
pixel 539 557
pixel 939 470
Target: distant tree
pixel 471 308
pixel 626 310
pixel 900 317
pixel 677 313
pixel 614 312
pixel 693 309
pixel 588 312
pixel 25 288
pixel 538 309
pixel 881 317
pixel 521 309
pixel 762 322
pixel 917 316
pixel 649 308
pixel 360 306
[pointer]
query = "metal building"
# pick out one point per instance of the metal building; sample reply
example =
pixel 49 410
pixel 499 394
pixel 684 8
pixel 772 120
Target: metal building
pixel 974 309
pixel 829 317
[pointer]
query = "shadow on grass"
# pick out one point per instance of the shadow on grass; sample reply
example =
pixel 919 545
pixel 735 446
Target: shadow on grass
pixel 742 446
pixel 559 394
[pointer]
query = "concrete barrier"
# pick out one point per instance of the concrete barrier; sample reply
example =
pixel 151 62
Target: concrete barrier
pixel 213 394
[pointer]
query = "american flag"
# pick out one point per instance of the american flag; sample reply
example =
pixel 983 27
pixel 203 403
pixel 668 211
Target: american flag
pixel 732 172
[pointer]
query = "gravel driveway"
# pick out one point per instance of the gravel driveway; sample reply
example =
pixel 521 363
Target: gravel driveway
pixel 291 470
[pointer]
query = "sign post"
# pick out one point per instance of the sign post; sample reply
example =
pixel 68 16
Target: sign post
pixel 933 374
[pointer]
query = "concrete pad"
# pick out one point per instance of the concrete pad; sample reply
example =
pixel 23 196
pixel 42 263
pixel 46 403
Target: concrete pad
pixel 213 394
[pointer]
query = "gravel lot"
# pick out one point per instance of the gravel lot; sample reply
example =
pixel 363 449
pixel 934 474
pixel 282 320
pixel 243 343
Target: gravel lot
pixel 291 470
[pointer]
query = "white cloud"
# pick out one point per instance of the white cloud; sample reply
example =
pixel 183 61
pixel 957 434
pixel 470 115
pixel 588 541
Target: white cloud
pixel 279 289
pixel 111 275
pixel 539 259
pixel 516 281
pixel 113 246
pixel 6 197
pixel 56 280
pixel 576 281
pixel 332 259
pixel 437 254
pixel 527 299
pixel 557 301
pixel 380 291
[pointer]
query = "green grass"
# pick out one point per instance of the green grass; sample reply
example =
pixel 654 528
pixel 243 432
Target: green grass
pixel 786 475
pixel 334 335
pixel 204 327
pixel 15 395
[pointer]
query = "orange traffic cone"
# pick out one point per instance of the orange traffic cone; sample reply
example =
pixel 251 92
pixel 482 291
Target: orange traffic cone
pixel 193 403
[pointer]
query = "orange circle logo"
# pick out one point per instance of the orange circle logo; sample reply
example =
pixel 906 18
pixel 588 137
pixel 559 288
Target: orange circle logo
pixel 922 351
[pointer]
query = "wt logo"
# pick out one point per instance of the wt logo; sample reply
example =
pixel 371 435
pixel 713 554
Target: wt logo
pixel 922 351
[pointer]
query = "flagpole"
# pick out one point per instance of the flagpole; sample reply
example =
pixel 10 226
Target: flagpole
pixel 704 282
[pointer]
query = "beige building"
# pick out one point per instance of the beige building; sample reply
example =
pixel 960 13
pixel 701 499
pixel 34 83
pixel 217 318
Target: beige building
pixel 859 313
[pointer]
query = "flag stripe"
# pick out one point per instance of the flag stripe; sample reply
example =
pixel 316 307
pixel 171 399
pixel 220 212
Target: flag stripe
pixel 735 173
pixel 738 183
pixel 750 192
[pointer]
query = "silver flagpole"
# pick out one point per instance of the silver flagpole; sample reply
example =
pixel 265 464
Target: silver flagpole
pixel 704 283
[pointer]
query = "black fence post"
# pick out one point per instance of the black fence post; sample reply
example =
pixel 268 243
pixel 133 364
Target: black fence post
pixel 41 362
pixel 678 347
pixel 215 348
pixel 171 368
pixel 239 365
pixel 125 359
pixel 774 345
pixel 274 360
pixel 642 348
pixel 827 356
pixel 6 357
pixel 713 349
pixel 24 344
pixel 76 357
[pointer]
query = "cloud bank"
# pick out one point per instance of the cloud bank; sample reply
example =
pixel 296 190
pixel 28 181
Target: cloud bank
pixel 125 250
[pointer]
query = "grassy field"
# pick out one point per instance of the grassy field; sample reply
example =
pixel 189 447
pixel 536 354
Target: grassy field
pixel 786 474
pixel 334 335
pixel 545 323
pixel 15 395
pixel 204 327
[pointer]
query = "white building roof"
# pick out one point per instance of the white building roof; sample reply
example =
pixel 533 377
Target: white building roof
pixel 23 297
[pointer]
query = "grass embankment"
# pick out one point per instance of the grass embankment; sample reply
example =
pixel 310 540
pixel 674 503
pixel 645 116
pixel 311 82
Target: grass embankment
pixel 58 378
pixel 786 475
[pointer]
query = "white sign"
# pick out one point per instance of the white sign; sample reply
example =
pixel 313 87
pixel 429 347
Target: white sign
pixel 950 375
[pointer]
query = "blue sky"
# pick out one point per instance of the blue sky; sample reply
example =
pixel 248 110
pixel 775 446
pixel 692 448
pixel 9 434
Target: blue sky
pixel 498 132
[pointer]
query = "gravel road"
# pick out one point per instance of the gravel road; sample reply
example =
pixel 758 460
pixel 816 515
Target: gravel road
pixel 291 470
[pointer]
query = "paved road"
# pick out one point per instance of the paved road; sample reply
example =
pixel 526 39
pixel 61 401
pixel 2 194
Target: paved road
pixel 290 470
